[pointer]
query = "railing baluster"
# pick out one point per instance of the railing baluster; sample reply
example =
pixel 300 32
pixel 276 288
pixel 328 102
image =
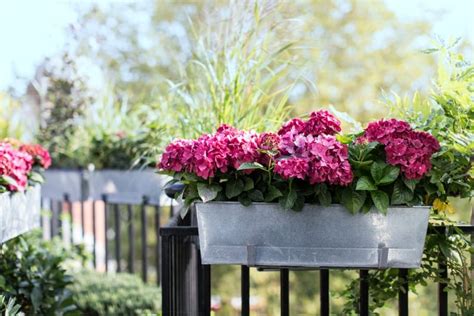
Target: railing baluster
pixel 68 203
pixel 167 275
pixel 245 290
pixel 144 241
pixel 403 292
pixel 94 236
pixel 131 240
pixel 52 229
pixel 324 291
pixel 284 292
pixel 205 289
pixel 157 246
pixel 117 237
pixel 104 198
pixel 364 292
pixel 442 293
pixel 59 221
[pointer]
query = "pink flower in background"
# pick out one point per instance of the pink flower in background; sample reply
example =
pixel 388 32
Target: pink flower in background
pixel 404 147
pixel 322 122
pixel 178 156
pixel 292 168
pixel 39 153
pixel 16 165
pixel 296 126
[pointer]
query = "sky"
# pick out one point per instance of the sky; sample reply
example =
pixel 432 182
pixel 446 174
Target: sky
pixel 31 30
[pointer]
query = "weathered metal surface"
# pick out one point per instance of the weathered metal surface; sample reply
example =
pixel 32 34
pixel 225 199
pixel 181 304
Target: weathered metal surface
pixel 19 212
pixel 264 234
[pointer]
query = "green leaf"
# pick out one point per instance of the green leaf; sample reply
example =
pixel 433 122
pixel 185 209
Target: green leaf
pixel 299 204
pixel 248 184
pixel 324 196
pixel 367 206
pixel 288 201
pixel 365 184
pixel 4 179
pixel 353 200
pixel 234 187
pixel 410 183
pixel 256 195
pixel 244 200
pixel 390 174
pixel 401 194
pixel 272 193
pixel 36 177
pixel 251 166
pixel 377 170
pixel 380 200
pixel 208 192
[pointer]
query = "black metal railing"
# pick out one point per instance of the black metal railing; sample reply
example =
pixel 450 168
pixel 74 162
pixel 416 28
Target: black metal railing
pixel 122 232
pixel 186 283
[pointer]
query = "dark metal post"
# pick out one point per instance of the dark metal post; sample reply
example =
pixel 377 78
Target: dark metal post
pixel 245 290
pixel 94 235
pixel 157 246
pixel 144 239
pixel 324 291
pixel 131 240
pixel 166 279
pixel 118 245
pixel 104 198
pixel 403 292
pixel 442 293
pixel 284 292
pixel 364 293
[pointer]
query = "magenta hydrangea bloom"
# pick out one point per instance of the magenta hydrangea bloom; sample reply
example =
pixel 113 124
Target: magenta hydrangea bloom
pixel 296 126
pixel 269 141
pixel 178 156
pixel 322 122
pixel 16 165
pixel 329 161
pixel 404 147
pixel 39 153
pixel 293 167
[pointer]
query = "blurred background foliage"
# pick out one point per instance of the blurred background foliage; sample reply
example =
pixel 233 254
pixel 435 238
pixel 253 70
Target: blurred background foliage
pixel 134 75
pixel 186 67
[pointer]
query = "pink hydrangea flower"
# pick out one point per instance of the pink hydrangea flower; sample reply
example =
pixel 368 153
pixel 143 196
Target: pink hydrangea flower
pixel 268 141
pixel 404 147
pixel 39 153
pixel 322 122
pixel 178 156
pixel 295 125
pixel 292 168
pixel 329 161
pixel 16 165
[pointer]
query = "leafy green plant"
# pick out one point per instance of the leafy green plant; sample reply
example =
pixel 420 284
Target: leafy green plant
pixel 234 77
pixel 96 293
pixel 9 307
pixel 449 116
pixel 32 272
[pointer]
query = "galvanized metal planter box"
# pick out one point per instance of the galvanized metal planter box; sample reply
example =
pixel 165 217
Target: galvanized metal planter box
pixel 19 212
pixel 265 235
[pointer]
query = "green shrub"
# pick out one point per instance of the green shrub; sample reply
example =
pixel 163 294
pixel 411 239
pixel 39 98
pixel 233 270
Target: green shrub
pixel 96 293
pixel 32 272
